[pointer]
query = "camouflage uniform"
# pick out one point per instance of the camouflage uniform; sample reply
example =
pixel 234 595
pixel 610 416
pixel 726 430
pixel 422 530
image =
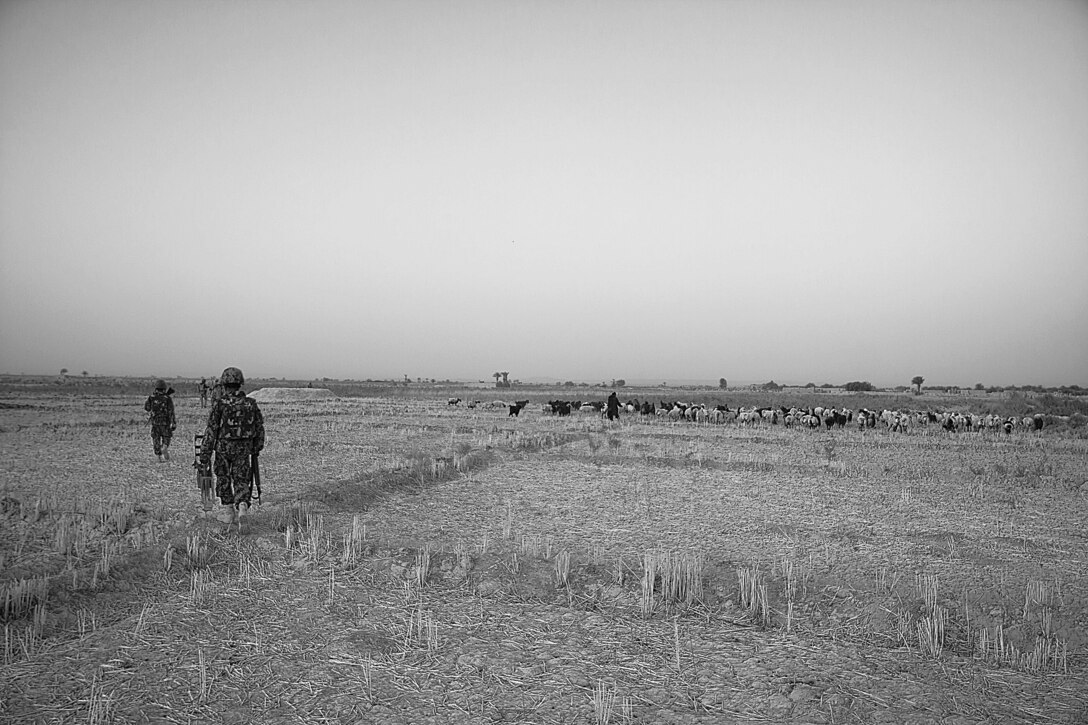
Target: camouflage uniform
pixel 235 431
pixel 163 422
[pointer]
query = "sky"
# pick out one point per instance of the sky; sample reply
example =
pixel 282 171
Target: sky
pixel 684 190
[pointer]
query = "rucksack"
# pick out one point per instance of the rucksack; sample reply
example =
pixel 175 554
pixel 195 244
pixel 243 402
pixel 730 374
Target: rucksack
pixel 160 409
pixel 239 419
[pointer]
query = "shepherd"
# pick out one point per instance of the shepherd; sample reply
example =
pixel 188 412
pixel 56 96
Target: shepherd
pixel 613 407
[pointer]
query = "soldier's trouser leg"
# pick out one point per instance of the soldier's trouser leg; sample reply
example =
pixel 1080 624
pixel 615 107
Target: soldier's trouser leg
pixel 156 441
pixel 233 484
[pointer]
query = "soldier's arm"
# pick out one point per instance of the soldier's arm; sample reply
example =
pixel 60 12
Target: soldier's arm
pixel 173 416
pixel 259 440
pixel 147 405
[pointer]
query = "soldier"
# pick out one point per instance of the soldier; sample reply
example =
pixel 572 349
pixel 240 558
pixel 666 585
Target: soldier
pixel 160 406
pixel 203 392
pixel 217 390
pixel 235 433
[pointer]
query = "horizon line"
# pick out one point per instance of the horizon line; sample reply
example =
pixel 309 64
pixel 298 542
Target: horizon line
pixel 543 380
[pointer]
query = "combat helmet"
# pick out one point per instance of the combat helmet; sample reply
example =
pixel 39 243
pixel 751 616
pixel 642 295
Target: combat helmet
pixel 232 376
pixel 160 385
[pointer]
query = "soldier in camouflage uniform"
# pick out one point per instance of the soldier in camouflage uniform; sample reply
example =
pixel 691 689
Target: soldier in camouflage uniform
pixel 160 406
pixel 235 432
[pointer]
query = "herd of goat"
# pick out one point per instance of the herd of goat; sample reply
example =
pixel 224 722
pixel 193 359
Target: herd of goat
pixel 816 417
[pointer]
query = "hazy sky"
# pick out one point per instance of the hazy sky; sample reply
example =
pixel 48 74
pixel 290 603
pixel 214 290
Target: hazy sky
pixel 798 191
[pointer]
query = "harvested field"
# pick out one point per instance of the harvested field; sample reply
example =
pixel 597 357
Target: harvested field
pixel 415 562
pixel 290 395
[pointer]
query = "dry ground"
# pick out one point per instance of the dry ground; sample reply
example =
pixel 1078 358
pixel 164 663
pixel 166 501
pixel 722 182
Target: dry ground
pixel 417 562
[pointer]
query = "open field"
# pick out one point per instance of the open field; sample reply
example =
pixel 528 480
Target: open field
pixel 418 562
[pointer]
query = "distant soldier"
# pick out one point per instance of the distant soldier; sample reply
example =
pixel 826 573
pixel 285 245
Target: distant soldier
pixel 160 408
pixel 203 392
pixel 217 390
pixel 235 434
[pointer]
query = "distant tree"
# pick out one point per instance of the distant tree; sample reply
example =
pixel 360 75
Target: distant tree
pixel 64 371
pixel 497 376
pixel 827 385
pixel 917 381
pixel 979 386
pixel 859 386
pixel 84 373
pixel 772 385
pixel 620 383
pixel 810 385
pixel 506 380
pixel 723 383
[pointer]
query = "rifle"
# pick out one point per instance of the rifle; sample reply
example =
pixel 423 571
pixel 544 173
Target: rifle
pixel 203 476
pixel 255 467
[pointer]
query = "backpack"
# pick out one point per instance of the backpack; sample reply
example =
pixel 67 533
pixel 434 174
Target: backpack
pixel 159 405
pixel 239 418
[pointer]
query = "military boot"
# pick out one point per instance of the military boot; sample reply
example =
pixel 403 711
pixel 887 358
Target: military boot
pixel 159 456
pixel 243 510
pixel 226 517
pixel 166 452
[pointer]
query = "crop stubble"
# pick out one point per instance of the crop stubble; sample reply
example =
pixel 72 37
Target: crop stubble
pixel 826 562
